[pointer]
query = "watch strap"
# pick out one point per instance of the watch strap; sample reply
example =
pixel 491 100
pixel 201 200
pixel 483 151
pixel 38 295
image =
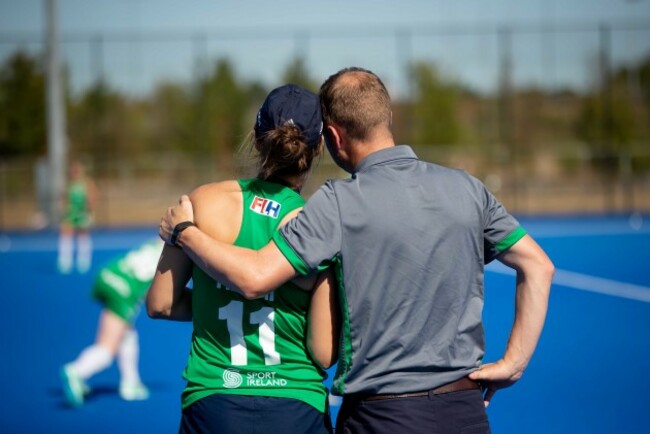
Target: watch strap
pixel 176 233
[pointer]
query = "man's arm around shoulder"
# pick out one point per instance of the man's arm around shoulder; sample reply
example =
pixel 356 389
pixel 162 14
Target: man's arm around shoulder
pixel 253 273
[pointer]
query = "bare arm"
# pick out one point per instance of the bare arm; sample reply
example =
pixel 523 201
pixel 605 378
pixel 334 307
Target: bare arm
pixel 168 296
pixel 324 321
pixel 253 273
pixel 534 275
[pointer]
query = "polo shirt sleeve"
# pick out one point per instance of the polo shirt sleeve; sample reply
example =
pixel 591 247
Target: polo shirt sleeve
pixel 311 239
pixel 501 230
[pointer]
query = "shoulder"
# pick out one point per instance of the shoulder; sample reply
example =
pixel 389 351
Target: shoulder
pixel 331 186
pixel 229 186
pixel 325 200
pixel 215 191
pixel 217 208
pixel 452 175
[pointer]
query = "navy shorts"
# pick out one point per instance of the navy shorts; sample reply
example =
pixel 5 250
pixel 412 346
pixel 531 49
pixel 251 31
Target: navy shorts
pixel 456 412
pixel 238 414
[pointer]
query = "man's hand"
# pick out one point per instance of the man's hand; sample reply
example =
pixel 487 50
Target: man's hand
pixel 495 376
pixel 176 214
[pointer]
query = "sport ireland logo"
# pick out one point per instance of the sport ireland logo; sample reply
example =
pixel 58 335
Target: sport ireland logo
pixel 232 379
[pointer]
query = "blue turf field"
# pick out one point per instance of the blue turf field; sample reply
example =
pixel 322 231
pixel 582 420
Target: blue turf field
pixel 588 375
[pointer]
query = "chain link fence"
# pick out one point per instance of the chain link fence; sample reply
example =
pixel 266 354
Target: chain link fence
pixel 532 171
pixel 134 193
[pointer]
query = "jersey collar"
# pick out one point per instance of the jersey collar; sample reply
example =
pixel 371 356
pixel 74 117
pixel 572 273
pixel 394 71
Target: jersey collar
pixel 394 153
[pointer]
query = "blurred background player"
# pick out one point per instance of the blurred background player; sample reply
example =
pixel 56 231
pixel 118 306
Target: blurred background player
pixel 254 364
pixel 120 287
pixel 78 203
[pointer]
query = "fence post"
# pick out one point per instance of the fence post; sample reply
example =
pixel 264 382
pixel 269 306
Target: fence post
pixel 505 109
pixel 606 88
pixel 56 131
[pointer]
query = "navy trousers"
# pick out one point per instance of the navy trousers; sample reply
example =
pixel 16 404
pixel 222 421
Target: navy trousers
pixel 237 414
pixel 460 412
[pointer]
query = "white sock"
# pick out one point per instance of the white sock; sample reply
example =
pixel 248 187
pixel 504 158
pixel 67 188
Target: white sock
pixel 65 253
pixel 92 360
pixel 84 253
pixel 127 358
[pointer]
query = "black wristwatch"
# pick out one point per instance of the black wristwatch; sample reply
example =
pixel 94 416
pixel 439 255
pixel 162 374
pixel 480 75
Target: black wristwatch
pixel 176 233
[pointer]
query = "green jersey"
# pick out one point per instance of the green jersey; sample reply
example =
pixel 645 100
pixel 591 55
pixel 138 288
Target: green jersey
pixel 122 284
pixel 253 347
pixel 77 213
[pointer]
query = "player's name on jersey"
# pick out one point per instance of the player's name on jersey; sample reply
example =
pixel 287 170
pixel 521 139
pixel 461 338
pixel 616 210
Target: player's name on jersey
pixel 219 285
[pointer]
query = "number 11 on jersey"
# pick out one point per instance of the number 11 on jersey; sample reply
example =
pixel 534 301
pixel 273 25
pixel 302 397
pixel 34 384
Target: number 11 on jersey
pixel 233 314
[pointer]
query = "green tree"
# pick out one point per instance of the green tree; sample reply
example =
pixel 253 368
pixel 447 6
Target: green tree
pixel 22 106
pixel 219 110
pixel 169 114
pixel 434 114
pixel 607 121
pixel 100 122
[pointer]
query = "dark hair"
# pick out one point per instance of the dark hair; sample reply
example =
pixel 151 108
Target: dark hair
pixel 284 152
pixel 356 100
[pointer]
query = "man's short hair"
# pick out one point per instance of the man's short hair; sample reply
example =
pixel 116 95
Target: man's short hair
pixel 356 100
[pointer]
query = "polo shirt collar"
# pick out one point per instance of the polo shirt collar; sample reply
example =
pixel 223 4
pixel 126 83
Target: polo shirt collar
pixel 387 155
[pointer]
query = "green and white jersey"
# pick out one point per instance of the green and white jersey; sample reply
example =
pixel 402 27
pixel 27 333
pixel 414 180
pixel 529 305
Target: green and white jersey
pixel 253 347
pixel 122 284
pixel 77 213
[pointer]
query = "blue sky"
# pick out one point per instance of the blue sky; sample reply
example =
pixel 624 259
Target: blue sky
pixel 93 15
pixel 469 58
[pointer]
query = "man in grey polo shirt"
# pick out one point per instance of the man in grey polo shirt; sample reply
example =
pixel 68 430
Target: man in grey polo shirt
pixel 408 240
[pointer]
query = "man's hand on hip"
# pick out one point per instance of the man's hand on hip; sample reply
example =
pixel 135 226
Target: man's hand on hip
pixel 495 376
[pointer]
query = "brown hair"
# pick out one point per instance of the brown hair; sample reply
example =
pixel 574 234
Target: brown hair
pixel 356 100
pixel 284 152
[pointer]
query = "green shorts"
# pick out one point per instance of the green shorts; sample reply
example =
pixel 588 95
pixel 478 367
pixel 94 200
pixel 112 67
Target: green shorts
pixel 78 220
pixel 123 298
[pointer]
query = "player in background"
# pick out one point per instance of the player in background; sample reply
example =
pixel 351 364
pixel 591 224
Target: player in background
pixel 120 287
pixel 255 365
pixel 78 203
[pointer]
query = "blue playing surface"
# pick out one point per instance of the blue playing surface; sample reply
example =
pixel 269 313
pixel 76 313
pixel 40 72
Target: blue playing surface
pixel 587 376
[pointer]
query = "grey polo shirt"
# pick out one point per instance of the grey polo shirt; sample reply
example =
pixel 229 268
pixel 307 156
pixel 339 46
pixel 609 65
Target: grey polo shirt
pixel 408 240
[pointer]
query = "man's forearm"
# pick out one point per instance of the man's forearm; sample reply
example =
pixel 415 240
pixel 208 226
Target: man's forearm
pixel 531 305
pixel 252 273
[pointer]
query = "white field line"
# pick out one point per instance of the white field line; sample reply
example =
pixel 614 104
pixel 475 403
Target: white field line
pixel 585 282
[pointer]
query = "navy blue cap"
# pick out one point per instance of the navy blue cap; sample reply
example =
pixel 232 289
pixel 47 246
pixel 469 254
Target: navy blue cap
pixel 294 105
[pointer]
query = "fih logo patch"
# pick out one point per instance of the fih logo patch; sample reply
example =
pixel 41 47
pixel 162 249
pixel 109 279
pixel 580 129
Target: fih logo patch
pixel 266 207
pixel 232 379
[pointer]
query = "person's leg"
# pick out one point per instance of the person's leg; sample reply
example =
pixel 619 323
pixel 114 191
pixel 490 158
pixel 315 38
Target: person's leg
pixel 111 331
pixel 94 358
pixel 84 251
pixel 64 262
pixel 131 387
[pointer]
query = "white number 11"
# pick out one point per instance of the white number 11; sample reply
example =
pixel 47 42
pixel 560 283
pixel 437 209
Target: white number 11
pixel 233 314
